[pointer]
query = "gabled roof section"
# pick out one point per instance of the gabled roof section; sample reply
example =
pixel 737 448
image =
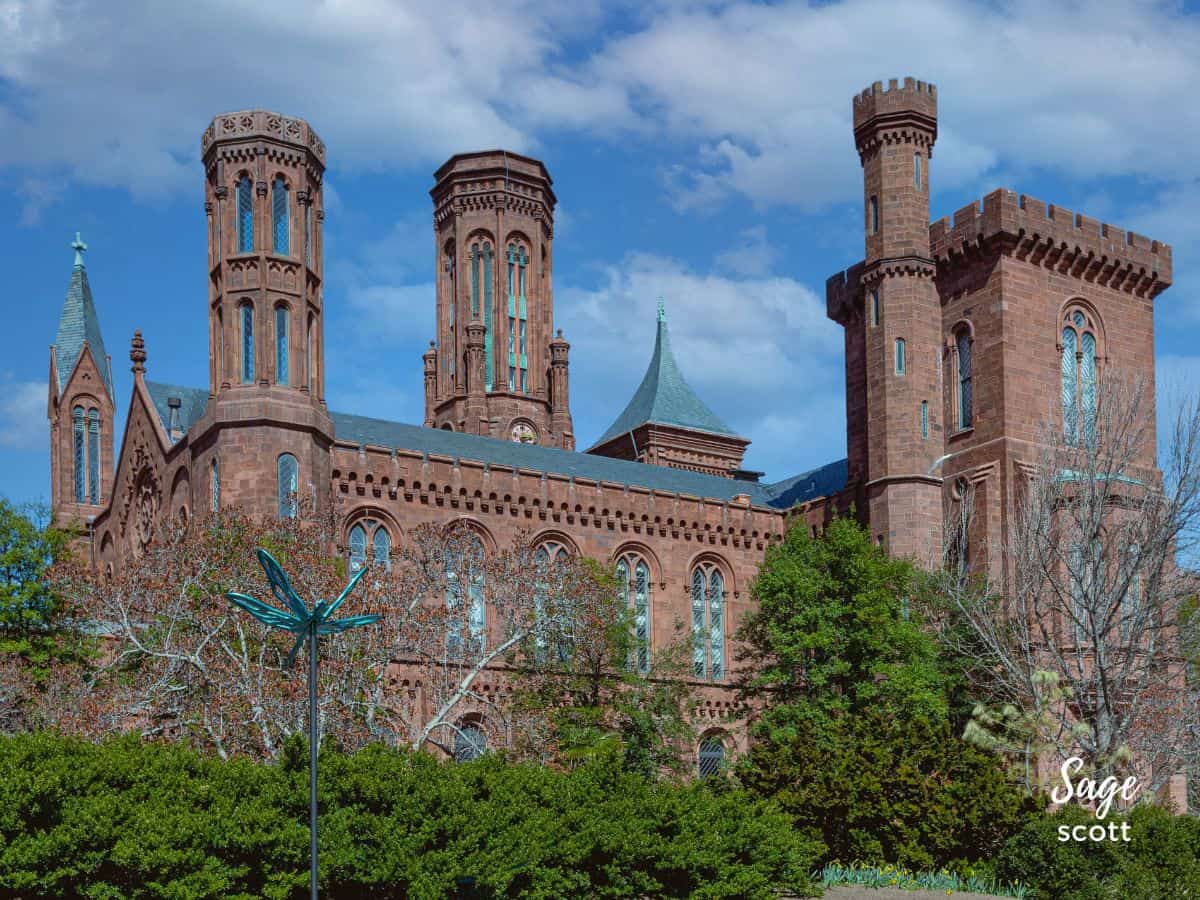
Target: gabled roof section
pixel 362 430
pixel 664 397
pixel 79 324
pixel 192 403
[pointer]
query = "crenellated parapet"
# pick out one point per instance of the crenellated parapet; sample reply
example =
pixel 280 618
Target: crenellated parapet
pixel 903 113
pixel 288 140
pixel 1054 237
pixel 844 294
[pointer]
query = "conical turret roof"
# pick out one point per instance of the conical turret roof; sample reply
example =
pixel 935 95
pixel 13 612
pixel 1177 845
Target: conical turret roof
pixel 78 324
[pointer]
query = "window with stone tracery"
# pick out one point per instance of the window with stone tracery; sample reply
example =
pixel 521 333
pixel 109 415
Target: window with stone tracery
pixel 373 534
pixel 1079 363
pixel 464 596
pixel 633 582
pixel 549 556
pixel 708 622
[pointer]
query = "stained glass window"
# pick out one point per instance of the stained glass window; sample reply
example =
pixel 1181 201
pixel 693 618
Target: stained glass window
pixel 281 345
pixel 965 400
pixel 93 454
pixel 245 212
pixel 247 316
pixel 280 224
pixel 80 476
pixel 288 472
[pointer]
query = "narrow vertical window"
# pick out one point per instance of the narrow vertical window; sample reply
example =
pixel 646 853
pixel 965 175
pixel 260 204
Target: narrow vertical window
pixel 358 548
pixel 699 635
pixel 381 549
pixel 875 307
pixel 965 399
pixel 308 231
pixel 633 578
pixel 1069 397
pixel 708 622
pixel 900 361
pixel 247 323
pixel 288 472
pixel 214 484
pixel 1132 607
pixel 80 471
pixel 873 215
pixel 475 279
pixel 488 337
pixel 1087 387
pixel 917 177
pixel 93 454
pixel 280 224
pixel 281 345
pixel 245 214
pixel 716 624
pixel 924 419
pixel 308 360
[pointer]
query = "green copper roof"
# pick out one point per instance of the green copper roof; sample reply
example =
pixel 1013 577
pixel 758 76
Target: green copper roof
pixel 78 324
pixel 826 480
pixel 664 397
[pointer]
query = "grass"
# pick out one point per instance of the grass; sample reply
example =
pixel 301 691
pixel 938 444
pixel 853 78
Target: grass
pixel 898 877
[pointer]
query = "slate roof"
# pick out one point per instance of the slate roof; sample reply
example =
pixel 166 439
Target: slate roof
pixel 664 397
pixel 79 323
pixel 532 457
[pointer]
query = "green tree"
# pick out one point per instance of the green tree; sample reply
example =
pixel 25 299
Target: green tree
pixel 854 738
pixel 28 547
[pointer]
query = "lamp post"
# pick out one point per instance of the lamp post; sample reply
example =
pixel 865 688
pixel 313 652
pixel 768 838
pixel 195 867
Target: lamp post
pixel 307 625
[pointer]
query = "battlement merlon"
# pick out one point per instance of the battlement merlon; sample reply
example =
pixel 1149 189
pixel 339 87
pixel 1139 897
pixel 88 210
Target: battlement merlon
pixel 913 104
pixel 251 124
pixel 844 294
pixel 1083 246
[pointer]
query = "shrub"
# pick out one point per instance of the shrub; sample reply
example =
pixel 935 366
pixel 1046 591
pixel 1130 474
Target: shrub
pixel 1160 860
pixel 131 820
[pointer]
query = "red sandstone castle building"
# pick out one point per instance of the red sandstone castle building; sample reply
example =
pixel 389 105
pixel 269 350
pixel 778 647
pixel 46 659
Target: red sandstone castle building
pixel 962 337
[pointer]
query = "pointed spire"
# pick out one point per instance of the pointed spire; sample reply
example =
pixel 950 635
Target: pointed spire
pixel 664 397
pixel 79 325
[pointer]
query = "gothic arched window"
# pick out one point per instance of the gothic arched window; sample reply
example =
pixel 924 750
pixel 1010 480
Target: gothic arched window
pixel 215 484
pixel 464 595
pixel 963 396
pixel 489 366
pixel 358 548
pixel 246 325
pixel 281 345
pixel 475 279
pixel 633 580
pixel 93 453
pixel 1078 366
pixel 518 360
pixel 711 757
pixel 708 622
pixel 280 224
pixel 288 475
pixel 79 457
pixel 549 557
pixel 245 215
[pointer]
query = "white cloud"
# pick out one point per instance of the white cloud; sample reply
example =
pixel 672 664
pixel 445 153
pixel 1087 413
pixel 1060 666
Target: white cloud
pixel 23 414
pixel 753 255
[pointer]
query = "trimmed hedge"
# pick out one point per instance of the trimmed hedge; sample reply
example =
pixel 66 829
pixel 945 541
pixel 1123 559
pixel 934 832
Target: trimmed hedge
pixel 1161 860
pixel 128 820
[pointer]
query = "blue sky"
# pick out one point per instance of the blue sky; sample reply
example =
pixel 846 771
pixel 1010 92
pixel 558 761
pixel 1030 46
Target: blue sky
pixel 700 150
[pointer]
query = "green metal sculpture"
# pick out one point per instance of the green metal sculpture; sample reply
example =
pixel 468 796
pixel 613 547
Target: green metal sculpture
pixel 307 625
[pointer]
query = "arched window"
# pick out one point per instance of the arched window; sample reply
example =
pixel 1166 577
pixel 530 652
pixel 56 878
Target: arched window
pixel 518 361
pixel 475 257
pixel 708 622
pixel 281 345
pixel 93 453
pixel 280 225
pixel 489 366
pixel 549 557
pixel 214 475
pixel 711 758
pixel 633 580
pixel 469 742
pixel 464 595
pixel 1078 366
pixel 245 215
pixel 288 472
pixel 80 454
pixel 900 360
pixel 381 549
pixel 246 315
pixel 963 397
pixel 358 548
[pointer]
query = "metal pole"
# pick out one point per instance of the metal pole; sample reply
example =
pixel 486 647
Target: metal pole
pixel 312 756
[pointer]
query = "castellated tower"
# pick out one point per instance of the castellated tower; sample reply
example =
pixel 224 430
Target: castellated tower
pixel 890 308
pixel 496 368
pixel 263 199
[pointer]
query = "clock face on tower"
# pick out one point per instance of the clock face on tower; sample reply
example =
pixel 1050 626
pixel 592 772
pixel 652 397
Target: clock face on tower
pixel 523 433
